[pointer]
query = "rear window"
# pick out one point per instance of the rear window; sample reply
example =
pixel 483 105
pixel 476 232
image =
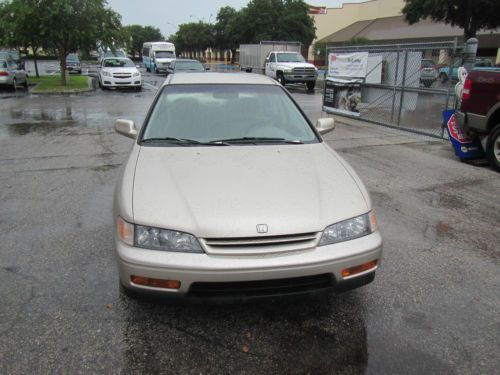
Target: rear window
pixel 428 64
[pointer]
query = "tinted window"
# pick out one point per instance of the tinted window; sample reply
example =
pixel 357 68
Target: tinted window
pixel 118 63
pixel 428 64
pixel 210 112
pixel 164 54
pixel 72 57
pixel 145 51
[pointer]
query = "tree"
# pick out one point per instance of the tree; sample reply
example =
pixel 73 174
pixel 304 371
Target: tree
pixel 194 36
pixel 286 20
pixel 470 15
pixel 70 25
pixel 227 35
pixel 16 18
pixel 137 35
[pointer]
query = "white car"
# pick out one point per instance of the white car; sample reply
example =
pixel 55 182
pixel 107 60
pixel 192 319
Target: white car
pixel 229 191
pixel 116 72
pixel 11 75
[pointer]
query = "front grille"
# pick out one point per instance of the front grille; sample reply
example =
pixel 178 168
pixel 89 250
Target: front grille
pixel 261 244
pixel 304 71
pixel 262 287
pixel 122 75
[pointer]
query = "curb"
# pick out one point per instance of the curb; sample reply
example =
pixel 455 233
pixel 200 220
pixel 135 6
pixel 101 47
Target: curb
pixel 91 86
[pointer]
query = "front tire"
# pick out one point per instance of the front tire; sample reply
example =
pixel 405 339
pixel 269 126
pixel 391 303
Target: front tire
pixel 280 78
pixel 493 148
pixel 310 85
pixel 443 77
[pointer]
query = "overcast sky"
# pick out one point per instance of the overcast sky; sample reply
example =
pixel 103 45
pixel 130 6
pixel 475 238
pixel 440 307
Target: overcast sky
pixel 167 14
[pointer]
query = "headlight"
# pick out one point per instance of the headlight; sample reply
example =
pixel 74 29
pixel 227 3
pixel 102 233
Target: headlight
pixel 349 229
pixel 287 70
pixel 136 74
pixel 156 238
pixel 164 239
pixel 106 73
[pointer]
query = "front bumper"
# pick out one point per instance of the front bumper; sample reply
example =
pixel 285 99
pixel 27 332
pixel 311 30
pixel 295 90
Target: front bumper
pixel 6 80
pixel 299 77
pixel 193 269
pixel 121 82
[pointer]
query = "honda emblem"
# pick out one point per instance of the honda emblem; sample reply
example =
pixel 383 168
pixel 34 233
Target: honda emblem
pixel 261 228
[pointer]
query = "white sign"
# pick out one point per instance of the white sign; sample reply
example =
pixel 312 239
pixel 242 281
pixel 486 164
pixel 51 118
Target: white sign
pixel 352 65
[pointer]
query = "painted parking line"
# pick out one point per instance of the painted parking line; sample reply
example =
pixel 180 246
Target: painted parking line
pixel 149 85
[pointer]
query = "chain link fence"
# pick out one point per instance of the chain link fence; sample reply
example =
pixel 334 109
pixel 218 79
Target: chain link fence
pixel 408 85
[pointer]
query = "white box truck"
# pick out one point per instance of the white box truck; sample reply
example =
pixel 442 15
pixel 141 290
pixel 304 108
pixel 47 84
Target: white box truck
pixel 157 56
pixel 279 60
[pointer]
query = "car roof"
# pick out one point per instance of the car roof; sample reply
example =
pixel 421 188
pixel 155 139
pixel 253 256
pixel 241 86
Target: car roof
pixel 187 60
pixel 219 78
pixel 115 58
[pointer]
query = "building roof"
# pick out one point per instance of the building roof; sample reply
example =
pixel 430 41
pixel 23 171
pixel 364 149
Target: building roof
pixel 397 29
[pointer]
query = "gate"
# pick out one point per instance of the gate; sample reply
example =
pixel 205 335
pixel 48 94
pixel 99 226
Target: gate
pixel 407 86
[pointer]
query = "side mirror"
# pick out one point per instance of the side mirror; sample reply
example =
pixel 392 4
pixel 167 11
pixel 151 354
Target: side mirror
pixel 325 125
pixel 126 128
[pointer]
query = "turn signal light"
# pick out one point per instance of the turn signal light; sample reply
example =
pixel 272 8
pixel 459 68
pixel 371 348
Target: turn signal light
pixel 156 283
pixel 346 272
pixel 466 89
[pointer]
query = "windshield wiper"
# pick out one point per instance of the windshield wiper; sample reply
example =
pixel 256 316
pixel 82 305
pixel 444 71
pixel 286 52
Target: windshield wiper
pixel 183 141
pixel 256 140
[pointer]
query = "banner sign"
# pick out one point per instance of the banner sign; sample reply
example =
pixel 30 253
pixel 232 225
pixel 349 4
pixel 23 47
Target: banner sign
pixel 348 65
pixel 342 96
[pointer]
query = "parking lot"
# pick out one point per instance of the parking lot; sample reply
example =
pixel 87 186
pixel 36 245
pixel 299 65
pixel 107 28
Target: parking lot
pixel 433 307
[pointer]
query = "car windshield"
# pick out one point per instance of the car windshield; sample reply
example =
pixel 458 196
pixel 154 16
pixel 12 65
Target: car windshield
pixel 233 114
pixel 290 57
pixel 188 66
pixel 164 54
pixel 72 57
pixel 4 55
pixel 15 55
pixel 118 63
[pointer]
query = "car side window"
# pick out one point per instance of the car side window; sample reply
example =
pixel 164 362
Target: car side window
pixel 272 57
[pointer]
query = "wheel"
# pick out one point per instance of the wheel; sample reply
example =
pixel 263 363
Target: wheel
pixel 280 78
pixel 443 77
pixel 138 89
pixel 147 69
pixel 25 84
pixel 156 70
pixel 310 85
pixel 493 148
pixel 99 83
pixel 14 84
pixel 427 83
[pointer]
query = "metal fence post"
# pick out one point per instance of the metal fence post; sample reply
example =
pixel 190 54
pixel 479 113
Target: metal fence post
pixel 450 69
pixel 403 83
pixel 394 86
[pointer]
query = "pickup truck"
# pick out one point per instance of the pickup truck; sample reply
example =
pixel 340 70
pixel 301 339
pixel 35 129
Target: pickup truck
pixel 279 60
pixel 480 111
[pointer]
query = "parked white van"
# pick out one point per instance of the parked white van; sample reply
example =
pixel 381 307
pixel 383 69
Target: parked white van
pixel 156 56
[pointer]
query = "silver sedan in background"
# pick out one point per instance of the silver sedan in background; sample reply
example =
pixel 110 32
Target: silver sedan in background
pixel 230 192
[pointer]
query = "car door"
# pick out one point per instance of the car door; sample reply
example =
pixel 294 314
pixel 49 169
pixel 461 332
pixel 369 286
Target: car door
pixel 270 68
pixel 16 72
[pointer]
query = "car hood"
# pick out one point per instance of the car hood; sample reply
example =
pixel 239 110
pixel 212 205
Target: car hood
pixel 121 70
pixel 295 65
pixel 225 191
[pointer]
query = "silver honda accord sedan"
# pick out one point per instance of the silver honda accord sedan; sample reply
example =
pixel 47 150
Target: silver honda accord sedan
pixel 229 191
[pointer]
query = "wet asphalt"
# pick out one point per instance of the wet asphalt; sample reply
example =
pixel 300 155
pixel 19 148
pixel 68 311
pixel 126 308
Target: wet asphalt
pixel 433 307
